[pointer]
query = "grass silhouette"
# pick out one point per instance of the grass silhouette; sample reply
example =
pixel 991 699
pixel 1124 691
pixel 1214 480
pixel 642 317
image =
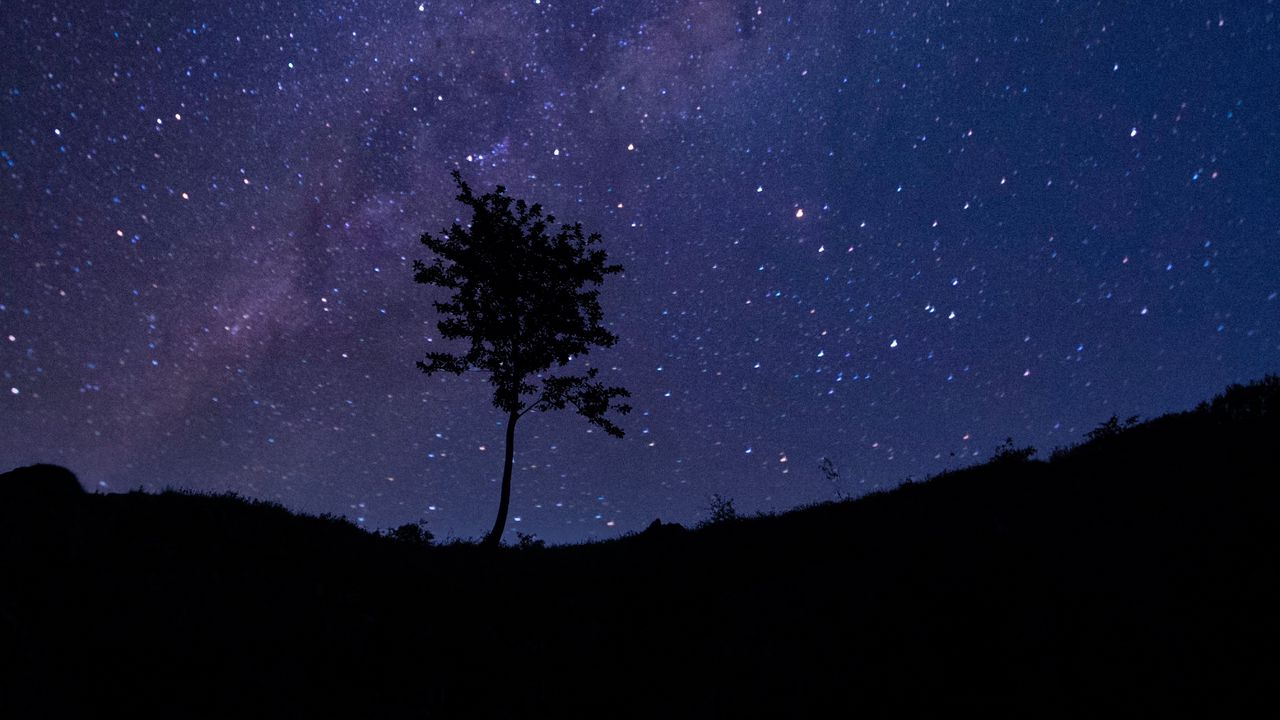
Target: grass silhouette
pixel 1136 573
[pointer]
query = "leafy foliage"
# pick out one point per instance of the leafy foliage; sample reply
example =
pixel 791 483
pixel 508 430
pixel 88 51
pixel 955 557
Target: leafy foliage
pixel 1007 453
pixel 1246 402
pixel 1111 427
pixel 414 534
pixel 720 509
pixel 529 541
pixel 525 296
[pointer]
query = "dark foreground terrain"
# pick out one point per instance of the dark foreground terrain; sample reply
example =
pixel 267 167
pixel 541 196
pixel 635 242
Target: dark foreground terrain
pixel 1136 574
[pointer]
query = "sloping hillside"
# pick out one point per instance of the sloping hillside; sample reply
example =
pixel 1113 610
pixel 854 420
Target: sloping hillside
pixel 1135 573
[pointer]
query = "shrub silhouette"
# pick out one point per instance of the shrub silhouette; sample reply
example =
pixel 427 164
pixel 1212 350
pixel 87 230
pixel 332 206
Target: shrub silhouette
pixel 720 509
pixel 1007 453
pixel 526 299
pixel 657 528
pixel 529 541
pixel 414 534
pixel 1245 402
pixel 40 483
pixel 1111 427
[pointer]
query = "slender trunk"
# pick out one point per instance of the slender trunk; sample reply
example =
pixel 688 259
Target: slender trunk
pixel 494 538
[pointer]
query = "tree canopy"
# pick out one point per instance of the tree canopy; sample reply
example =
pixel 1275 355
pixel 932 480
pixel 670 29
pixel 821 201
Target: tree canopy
pixel 525 297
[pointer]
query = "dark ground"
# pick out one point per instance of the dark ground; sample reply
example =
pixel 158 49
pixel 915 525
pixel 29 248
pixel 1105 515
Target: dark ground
pixel 1136 574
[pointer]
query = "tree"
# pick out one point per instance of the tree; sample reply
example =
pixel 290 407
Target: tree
pixel 526 298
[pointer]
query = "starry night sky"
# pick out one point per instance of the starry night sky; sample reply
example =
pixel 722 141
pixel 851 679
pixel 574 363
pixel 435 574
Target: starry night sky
pixel 888 234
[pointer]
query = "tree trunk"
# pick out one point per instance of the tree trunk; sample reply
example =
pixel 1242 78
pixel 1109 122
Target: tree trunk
pixel 494 538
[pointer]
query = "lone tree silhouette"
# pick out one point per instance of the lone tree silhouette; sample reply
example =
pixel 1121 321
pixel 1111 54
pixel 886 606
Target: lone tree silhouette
pixel 526 298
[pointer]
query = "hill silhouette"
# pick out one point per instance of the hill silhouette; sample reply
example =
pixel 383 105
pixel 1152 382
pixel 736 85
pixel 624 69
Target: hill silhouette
pixel 1135 573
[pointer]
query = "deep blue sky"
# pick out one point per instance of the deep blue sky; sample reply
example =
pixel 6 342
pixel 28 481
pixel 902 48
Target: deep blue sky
pixel 890 234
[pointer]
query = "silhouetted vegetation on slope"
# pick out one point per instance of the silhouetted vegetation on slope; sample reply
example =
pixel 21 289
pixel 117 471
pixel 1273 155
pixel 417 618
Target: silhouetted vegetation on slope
pixel 1135 573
